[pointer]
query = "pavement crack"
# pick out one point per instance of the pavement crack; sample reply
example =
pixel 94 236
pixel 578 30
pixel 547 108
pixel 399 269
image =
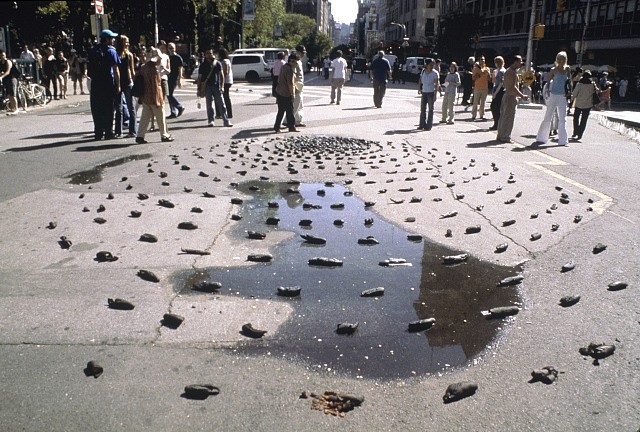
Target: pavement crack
pixel 452 193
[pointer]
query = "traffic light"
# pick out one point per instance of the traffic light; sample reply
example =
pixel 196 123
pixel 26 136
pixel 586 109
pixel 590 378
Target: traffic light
pixel 561 5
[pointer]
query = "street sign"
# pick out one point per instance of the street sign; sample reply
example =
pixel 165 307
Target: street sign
pixel 99 7
pixel 104 23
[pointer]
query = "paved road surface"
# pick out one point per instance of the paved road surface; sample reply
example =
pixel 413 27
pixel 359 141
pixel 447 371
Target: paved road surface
pixel 53 308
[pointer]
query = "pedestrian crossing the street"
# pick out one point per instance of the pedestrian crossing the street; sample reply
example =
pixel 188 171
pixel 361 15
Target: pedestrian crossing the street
pixel 245 91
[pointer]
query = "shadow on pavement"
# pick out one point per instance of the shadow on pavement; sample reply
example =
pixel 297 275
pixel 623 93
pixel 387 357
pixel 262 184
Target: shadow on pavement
pixel 359 109
pixel 105 147
pixel 492 142
pixel 54 135
pixel 401 131
pixel 252 133
pixel 473 131
pixel 51 145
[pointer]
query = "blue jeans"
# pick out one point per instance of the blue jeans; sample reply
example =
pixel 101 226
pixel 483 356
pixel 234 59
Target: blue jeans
pixel 174 105
pixel 213 95
pixel 426 121
pixel 124 101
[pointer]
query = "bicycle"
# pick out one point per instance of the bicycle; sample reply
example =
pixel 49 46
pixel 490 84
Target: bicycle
pixel 31 93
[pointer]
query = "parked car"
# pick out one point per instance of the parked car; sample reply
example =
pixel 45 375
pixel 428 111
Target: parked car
pixel 248 67
pixel 360 65
pixel 414 65
pixel 270 54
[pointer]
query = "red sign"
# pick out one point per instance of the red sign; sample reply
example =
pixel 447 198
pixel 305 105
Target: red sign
pixel 99 7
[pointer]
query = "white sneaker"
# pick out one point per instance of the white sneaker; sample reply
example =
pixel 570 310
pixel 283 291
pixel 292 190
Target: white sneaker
pixel 211 124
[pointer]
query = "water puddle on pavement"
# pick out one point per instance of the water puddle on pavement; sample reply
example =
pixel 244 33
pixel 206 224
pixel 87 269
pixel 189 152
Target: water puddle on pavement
pixel 382 347
pixel 94 175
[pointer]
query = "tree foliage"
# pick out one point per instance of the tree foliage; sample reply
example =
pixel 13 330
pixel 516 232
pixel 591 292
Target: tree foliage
pixel 456 33
pixel 261 30
pixel 318 45
pixel 197 22
pixel 294 28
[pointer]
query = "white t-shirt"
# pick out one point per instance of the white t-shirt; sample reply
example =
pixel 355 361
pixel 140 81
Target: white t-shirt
pixel 339 66
pixel 164 68
pixel 428 80
pixel 228 76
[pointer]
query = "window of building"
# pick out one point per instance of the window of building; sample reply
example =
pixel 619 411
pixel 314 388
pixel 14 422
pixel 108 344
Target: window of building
pixel 431 4
pixel 413 27
pixel 415 4
pixel 488 26
pixel 628 15
pixel 611 10
pixel 406 5
pixel 506 23
pixel 619 10
pixel 430 27
pixel 500 4
pixel 518 22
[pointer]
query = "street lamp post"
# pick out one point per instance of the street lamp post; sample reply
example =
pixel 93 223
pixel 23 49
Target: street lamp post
pixel 239 26
pixel 155 24
pixel 587 17
pixel 405 39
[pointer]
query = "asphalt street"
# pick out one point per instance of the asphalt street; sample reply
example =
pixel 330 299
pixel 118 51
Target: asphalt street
pixel 455 186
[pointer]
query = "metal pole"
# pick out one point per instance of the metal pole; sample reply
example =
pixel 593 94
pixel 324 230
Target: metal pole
pixel 155 18
pixel 587 17
pixel 532 22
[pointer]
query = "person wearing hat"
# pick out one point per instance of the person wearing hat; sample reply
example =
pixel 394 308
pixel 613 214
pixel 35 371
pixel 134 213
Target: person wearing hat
pixel 582 101
pixel 102 68
pixel 152 98
pixel 379 73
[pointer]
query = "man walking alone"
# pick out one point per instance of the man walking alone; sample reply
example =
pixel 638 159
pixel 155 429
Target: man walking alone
pixel 175 80
pixel 338 76
pixel 379 73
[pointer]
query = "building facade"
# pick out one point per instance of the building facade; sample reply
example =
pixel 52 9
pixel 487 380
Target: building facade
pixel 318 10
pixel 401 27
pixel 593 32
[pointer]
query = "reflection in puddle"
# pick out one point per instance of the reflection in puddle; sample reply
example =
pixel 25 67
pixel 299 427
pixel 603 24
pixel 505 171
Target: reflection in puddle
pixel 382 347
pixel 94 175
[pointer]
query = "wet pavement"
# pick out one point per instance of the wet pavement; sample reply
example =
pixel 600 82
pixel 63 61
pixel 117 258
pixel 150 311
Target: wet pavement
pixel 95 174
pixel 381 347
pixel 56 318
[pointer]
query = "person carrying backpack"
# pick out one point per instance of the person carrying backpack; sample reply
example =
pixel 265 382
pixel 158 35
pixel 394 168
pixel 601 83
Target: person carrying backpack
pixel 102 68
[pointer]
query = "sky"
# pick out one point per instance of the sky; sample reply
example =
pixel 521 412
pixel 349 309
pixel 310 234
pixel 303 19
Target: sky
pixel 344 11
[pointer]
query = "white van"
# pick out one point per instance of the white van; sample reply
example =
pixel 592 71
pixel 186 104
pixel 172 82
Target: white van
pixel 270 54
pixel 391 58
pixel 415 65
pixel 250 67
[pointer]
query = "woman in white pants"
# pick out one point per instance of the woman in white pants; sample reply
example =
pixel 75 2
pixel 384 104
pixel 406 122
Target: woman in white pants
pixel 451 82
pixel 560 79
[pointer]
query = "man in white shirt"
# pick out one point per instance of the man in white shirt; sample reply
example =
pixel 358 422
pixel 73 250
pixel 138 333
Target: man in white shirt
pixel 26 54
pixel 428 87
pixel 338 76
pixel 298 102
pixel 164 68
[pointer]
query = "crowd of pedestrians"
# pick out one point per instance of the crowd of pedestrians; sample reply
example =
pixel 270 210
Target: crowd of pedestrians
pixel 112 67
